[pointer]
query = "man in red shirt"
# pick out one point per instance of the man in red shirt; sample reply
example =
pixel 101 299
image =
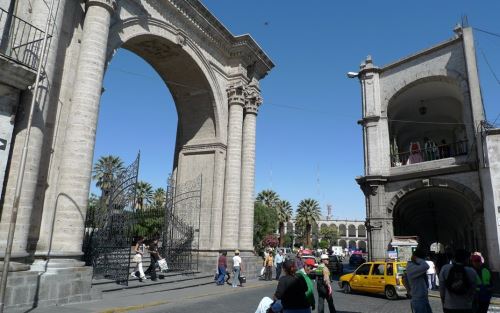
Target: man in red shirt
pixel 222 266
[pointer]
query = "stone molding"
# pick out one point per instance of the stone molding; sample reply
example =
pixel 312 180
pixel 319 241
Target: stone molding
pixel 110 5
pixel 253 100
pixel 236 95
pixel 204 147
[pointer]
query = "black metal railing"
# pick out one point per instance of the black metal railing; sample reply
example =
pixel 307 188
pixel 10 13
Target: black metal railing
pixel 436 152
pixel 19 40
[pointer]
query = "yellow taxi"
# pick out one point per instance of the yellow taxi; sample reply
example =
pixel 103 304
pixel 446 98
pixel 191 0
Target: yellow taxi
pixel 382 277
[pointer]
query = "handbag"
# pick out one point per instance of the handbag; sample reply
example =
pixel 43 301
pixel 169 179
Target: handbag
pixel 162 264
pixel 137 258
pixel 243 279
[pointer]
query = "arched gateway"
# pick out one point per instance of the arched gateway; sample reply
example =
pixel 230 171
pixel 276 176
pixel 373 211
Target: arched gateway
pixel 213 77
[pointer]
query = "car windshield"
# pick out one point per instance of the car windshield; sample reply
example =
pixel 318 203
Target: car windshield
pixel 401 267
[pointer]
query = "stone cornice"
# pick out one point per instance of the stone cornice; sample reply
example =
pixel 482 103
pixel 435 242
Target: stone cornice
pixel 242 47
pixel 204 147
pixel 110 5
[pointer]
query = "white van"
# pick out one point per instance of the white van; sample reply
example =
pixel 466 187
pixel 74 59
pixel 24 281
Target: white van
pixel 337 250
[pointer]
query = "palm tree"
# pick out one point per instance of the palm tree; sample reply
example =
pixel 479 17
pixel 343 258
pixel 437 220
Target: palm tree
pixel 308 213
pixel 105 171
pixel 284 211
pixel 269 198
pixel 159 198
pixel 144 194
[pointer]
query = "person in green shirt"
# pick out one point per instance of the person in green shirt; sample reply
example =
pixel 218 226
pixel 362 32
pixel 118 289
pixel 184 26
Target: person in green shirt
pixel 304 273
pixel 483 289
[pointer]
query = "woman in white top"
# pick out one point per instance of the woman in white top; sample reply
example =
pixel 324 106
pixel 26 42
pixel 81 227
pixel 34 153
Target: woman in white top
pixel 431 274
pixel 236 268
pixel 139 253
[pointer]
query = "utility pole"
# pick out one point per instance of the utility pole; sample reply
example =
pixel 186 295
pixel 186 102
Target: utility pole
pixel 22 165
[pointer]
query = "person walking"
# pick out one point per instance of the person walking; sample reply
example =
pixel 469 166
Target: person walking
pixel 278 263
pixel 416 273
pixel 139 249
pixel 291 291
pixel 431 274
pixel 483 289
pixel 154 256
pixel 304 273
pixel 268 263
pixel 299 263
pixel 237 268
pixel 221 267
pixel 324 286
pixel 457 284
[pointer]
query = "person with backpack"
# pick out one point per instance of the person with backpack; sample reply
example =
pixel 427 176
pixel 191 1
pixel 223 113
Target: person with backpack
pixel 483 289
pixel 458 284
pixel 417 283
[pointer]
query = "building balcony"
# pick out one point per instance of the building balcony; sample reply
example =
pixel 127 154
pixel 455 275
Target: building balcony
pixel 20 41
pixel 430 153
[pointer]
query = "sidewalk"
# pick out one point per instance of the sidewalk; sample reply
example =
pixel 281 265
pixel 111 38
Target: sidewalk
pixel 435 294
pixel 147 297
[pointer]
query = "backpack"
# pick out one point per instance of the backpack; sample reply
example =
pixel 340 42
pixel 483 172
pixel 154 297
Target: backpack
pixel 457 281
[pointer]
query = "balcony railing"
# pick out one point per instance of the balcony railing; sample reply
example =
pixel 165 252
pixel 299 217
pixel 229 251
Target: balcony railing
pixel 19 40
pixel 429 154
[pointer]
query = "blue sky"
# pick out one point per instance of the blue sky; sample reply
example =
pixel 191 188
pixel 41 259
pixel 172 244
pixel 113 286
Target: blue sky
pixel 308 142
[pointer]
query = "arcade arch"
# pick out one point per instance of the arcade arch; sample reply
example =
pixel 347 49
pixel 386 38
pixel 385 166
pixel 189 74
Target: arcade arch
pixel 351 231
pixel 352 245
pixel 442 212
pixel 342 230
pixel 362 245
pixel 342 243
pixel 361 231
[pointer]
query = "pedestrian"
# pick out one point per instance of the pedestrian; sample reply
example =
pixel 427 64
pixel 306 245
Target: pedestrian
pixel 221 268
pixel 457 284
pixel 278 262
pixel 299 263
pixel 154 257
pixel 431 274
pixel 483 289
pixel 268 263
pixel 416 274
pixel 324 286
pixel 237 268
pixel 139 249
pixel 291 291
pixel 304 273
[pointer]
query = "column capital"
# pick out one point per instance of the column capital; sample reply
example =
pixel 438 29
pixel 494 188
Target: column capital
pixel 110 5
pixel 253 100
pixel 236 95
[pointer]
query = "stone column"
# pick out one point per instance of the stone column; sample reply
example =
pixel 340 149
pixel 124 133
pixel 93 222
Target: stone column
pixel 76 162
pixel 232 185
pixel 248 170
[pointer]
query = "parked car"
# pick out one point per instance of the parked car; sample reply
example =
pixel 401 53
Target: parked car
pixel 335 265
pixel 383 277
pixel 356 260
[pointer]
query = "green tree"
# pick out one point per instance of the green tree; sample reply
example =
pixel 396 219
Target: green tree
pixel 284 213
pixel 269 198
pixel 324 244
pixel 329 233
pixel 159 198
pixel 265 223
pixel 105 171
pixel 308 213
pixel 143 194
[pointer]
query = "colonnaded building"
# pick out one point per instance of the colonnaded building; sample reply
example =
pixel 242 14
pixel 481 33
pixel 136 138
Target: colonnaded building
pixel 213 77
pixel 351 233
pixel 432 166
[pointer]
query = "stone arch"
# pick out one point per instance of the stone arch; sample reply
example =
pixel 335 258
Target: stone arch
pixel 352 245
pixel 361 230
pixel 342 243
pixel 323 225
pixel 362 245
pixel 351 231
pixel 131 32
pixel 342 230
pixel 439 210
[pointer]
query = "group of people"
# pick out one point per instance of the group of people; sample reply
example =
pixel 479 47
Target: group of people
pixel 464 283
pixel 222 271
pixel 295 290
pixel 140 249
pixel 271 261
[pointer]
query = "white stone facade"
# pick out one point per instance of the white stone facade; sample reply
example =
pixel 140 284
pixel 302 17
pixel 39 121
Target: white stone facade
pixel 422 118
pixel 187 46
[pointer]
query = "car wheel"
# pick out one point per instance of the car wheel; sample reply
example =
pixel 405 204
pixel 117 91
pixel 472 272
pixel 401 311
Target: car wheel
pixel 390 293
pixel 346 287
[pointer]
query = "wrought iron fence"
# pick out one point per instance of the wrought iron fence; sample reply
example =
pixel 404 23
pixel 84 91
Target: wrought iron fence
pixel 19 40
pixel 436 152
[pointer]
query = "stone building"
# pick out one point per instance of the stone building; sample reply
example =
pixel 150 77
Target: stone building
pixel 352 233
pixel 213 77
pixel 431 161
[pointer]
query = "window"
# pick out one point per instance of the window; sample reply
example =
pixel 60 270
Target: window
pixel 378 269
pixel 390 269
pixel 364 269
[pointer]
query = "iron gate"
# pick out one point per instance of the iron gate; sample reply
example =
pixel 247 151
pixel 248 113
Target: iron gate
pixel 109 227
pixel 180 237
